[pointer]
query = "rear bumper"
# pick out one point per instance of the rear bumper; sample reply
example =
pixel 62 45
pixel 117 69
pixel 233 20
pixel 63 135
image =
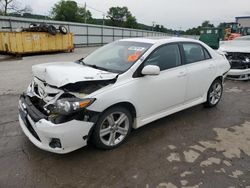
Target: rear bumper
pixel 72 135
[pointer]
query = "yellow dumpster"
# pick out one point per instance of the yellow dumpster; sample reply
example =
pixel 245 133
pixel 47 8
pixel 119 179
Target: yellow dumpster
pixel 34 42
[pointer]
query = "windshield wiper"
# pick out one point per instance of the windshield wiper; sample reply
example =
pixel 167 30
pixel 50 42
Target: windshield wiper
pixel 93 66
pixel 97 67
pixel 81 61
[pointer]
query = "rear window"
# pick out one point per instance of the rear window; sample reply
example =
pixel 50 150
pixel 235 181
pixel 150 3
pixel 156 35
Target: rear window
pixel 195 52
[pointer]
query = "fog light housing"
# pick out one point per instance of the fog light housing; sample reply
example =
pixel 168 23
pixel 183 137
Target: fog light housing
pixel 55 143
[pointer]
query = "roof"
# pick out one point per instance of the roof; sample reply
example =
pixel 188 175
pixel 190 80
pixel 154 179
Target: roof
pixel 155 40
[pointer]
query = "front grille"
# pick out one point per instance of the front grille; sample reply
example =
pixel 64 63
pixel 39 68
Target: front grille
pixel 32 110
pixel 28 125
pixel 238 60
pixel 32 131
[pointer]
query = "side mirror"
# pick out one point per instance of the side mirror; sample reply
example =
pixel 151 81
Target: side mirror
pixel 151 70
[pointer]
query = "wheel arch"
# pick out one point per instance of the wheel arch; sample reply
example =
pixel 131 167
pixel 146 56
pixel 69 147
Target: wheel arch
pixel 219 78
pixel 129 106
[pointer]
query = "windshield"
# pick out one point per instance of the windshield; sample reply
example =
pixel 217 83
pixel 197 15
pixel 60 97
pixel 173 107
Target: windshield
pixel 117 56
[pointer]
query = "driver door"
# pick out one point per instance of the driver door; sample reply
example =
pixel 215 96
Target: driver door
pixel 157 94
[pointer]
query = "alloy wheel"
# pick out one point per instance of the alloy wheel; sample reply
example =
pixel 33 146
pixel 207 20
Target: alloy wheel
pixel 215 93
pixel 114 128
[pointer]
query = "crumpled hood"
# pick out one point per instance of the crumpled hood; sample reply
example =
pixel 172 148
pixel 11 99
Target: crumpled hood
pixel 235 46
pixel 60 74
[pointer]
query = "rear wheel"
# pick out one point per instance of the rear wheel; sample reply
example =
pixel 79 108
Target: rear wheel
pixel 112 128
pixel 214 94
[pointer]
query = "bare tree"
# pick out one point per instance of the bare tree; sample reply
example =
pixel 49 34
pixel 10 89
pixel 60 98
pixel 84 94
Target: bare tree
pixel 13 6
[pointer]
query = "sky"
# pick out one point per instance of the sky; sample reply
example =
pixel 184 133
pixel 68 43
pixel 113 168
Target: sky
pixel 174 14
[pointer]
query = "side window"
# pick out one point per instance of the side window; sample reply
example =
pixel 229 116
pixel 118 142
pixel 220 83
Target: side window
pixel 194 52
pixel 207 55
pixel 165 57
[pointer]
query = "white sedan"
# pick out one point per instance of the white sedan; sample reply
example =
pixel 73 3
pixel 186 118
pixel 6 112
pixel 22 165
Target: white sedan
pixel 123 85
pixel 238 54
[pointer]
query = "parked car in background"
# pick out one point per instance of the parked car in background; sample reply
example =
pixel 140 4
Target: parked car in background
pixel 238 54
pixel 123 85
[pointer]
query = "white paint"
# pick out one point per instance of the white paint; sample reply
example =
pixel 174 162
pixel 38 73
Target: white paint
pixel 210 161
pixel 236 174
pixel 231 144
pixel 184 182
pixel 235 46
pixel 184 174
pixel 227 163
pixel 222 170
pixel 172 147
pixel 166 185
pixel 191 156
pixel 199 148
pixel 194 186
pixel 60 74
pixel 173 157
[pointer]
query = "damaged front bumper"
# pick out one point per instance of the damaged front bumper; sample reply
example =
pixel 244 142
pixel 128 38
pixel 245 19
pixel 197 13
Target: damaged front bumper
pixel 239 74
pixel 240 65
pixel 58 138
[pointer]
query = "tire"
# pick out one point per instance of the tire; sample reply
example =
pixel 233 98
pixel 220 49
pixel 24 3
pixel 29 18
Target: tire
pixel 32 25
pixel 214 94
pixel 43 27
pixel 108 132
pixel 63 29
pixel 52 30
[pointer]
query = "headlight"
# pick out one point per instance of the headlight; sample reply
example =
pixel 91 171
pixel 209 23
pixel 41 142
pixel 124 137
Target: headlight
pixel 71 105
pixel 247 60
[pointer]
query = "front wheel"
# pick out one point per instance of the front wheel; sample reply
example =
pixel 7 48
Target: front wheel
pixel 214 94
pixel 112 128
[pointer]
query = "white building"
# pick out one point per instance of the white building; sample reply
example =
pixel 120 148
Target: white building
pixel 244 21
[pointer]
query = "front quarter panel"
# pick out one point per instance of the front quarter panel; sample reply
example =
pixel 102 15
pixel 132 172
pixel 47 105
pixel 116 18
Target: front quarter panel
pixel 121 91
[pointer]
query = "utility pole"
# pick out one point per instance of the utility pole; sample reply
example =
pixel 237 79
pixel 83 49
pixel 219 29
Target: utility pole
pixel 153 22
pixel 103 19
pixel 85 13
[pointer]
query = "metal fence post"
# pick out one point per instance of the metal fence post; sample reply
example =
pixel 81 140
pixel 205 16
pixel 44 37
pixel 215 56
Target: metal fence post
pixel 11 29
pixel 87 30
pixel 68 28
pixel 113 34
pixel 102 35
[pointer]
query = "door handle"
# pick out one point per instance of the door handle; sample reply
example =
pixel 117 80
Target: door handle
pixel 210 66
pixel 182 74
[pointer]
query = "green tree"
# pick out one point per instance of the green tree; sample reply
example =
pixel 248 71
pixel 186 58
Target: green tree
pixel 85 14
pixel 196 30
pixel 131 22
pixel 207 24
pixel 223 25
pixel 67 10
pixel 13 6
pixel 121 17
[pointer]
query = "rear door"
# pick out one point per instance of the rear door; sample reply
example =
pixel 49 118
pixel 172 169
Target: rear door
pixel 200 70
